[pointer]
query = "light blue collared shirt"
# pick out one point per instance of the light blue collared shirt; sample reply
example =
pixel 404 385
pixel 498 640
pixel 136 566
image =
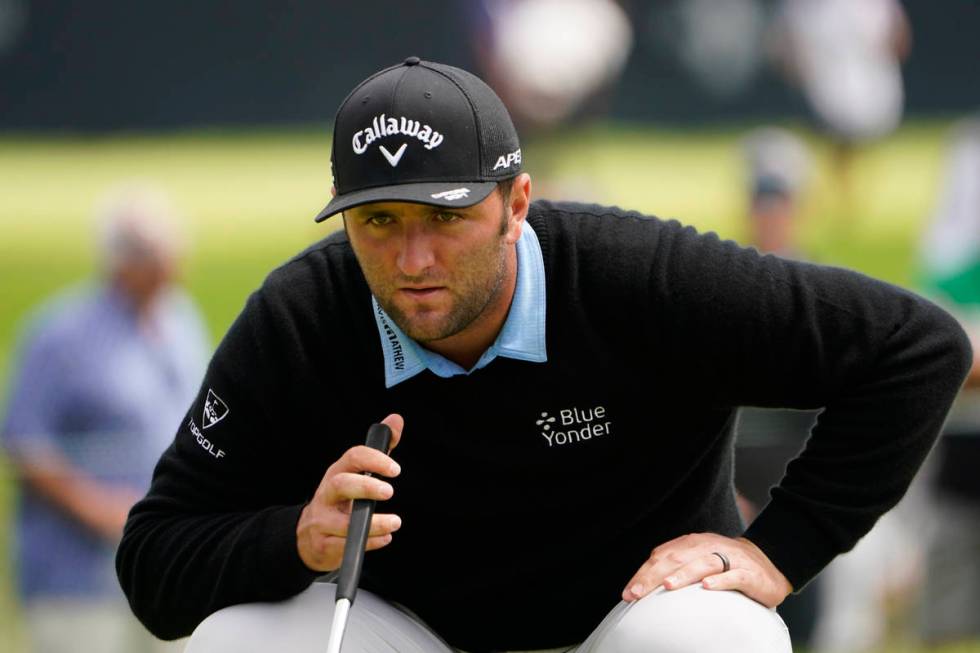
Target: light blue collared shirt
pixel 522 336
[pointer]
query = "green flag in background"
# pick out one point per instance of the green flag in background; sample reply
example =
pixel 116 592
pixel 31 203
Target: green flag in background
pixel 951 276
pixel 951 247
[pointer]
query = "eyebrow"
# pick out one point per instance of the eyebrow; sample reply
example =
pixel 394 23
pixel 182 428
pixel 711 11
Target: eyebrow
pixel 364 215
pixel 430 209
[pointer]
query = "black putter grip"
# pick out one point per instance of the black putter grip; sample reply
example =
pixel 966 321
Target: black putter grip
pixel 378 437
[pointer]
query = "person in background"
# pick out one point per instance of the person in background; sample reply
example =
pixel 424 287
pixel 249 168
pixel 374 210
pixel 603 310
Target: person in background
pixel 104 375
pixel 777 165
pixel 951 263
pixel 550 60
pixel 556 65
pixel 846 57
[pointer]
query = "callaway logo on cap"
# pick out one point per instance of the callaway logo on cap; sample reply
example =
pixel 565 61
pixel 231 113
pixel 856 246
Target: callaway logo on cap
pixel 421 132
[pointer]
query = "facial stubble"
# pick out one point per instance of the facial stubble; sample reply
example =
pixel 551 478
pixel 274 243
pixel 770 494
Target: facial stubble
pixel 473 291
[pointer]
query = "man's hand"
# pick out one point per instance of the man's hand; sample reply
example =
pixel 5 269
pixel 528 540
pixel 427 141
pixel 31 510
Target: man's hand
pixel 99 506
pixel 107 515
pixel 690 559
pixel 322 527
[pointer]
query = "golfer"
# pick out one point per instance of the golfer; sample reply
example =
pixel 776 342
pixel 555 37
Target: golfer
pixel 562 382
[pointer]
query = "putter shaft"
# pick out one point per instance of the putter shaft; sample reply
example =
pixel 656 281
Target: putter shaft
pixel 339 626
pixel 378 437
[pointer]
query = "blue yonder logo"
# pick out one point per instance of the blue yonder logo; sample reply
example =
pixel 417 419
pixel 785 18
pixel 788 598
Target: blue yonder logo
pixel 573 425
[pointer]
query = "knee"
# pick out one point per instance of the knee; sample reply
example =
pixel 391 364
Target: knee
pixel 299 624
pixel 696 620
pixel 230 630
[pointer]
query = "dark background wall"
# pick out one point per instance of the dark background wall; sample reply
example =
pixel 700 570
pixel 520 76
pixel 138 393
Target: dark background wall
pixel 110 64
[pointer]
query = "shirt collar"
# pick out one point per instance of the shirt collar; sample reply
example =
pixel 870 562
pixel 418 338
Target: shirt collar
pixel 522 336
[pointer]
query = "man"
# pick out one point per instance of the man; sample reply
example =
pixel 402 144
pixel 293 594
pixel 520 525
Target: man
pixel 105 372
pixel 561 381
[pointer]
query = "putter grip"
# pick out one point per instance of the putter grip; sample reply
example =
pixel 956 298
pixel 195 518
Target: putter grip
pixel 378 437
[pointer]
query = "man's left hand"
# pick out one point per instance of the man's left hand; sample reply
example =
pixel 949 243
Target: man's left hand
pixel 691 559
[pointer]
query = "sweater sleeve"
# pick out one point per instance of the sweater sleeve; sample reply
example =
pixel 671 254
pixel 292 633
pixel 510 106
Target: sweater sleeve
pixel 218 525
pixel 884 363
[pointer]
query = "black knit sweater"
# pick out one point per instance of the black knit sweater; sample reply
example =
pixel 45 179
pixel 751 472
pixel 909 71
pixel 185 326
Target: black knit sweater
pixel 518 537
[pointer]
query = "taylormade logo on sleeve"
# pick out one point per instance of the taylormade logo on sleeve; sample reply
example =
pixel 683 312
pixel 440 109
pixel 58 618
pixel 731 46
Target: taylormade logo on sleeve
pixel 572 425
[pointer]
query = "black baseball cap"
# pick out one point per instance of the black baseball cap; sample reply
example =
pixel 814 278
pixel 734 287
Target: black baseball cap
pixel 421 132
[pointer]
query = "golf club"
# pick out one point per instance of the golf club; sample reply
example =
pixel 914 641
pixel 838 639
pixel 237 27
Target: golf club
pixel 378 437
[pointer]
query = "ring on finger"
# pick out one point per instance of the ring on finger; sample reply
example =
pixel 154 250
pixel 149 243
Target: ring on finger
pixel 724 561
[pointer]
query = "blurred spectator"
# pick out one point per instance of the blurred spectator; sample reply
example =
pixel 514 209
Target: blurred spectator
pixel 548 58
pixel 554 63
pixel 866 593
pixel 777 163
pixel 846 56
pixel 951 258
pixel 719 42
pixel 105 373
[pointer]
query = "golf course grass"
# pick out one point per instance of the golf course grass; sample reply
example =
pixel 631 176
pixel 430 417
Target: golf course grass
pixel 248 199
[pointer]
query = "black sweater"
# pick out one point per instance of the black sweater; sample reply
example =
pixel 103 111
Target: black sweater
pixel 519 537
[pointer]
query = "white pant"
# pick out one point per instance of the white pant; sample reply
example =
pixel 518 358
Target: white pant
pixel 688 620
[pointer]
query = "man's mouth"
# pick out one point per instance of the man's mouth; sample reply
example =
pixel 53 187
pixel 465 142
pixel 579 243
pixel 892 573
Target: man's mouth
pixel 422 292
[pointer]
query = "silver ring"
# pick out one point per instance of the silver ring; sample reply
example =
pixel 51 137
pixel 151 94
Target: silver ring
pixel 724 561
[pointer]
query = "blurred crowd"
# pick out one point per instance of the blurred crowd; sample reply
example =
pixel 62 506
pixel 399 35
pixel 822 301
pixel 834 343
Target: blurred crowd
pixel 105 370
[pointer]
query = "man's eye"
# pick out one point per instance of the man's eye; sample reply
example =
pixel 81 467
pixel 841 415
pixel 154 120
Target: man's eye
pixel 446 216
pixel 379 220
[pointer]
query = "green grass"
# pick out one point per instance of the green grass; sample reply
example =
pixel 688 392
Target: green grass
pixel 249 199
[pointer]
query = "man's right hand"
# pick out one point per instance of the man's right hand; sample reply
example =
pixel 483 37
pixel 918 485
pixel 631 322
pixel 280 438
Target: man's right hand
pixel 322 528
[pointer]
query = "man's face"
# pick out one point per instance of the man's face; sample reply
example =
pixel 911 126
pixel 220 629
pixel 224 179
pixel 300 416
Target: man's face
pixel 146 272
pixel 434 270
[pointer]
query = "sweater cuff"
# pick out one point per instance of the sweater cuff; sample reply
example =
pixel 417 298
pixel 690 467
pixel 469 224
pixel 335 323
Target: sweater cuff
pixel 287 575
pixel 794 544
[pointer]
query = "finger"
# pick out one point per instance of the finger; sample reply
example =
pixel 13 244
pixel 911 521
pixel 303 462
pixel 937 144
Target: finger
pixel 750 582
pixel 321 544
pixel 347 486
pixel 335 523
pixel 377 542
pixel 396 424
pixel 652 573
pixel 362 458
pixel 742 580
pixel 694 571
pixel 384 524
pixel 356 460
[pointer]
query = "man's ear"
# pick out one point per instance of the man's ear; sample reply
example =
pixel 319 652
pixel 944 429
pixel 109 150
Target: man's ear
pixel 520 195
pixel 519 203
pixel 333 191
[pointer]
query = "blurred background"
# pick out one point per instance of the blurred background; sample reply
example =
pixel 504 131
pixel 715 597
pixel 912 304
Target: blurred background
pixel 158 159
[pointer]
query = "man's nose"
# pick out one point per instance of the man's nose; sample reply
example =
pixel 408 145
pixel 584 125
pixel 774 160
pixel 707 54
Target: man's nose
pixel 416 254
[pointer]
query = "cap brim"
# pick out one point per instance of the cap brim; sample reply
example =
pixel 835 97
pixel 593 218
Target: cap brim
pixel 458 193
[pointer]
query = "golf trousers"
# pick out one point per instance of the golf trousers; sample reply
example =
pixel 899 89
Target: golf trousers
pixel 687 620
